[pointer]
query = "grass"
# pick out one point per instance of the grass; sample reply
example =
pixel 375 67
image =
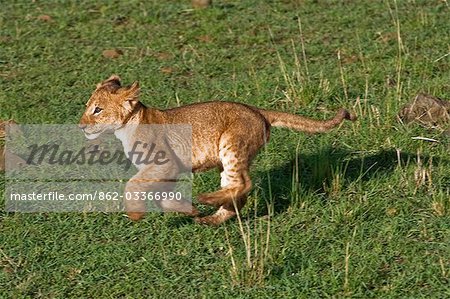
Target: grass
pixel 361 212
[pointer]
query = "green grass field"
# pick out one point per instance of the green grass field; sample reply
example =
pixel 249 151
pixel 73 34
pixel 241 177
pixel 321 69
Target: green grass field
pixel 363 211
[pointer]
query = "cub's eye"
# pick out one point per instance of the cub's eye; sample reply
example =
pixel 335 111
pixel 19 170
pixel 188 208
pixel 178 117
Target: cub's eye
pixel 97 110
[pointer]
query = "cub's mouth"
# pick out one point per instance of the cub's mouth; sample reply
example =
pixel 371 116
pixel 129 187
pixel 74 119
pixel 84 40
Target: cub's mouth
pixel 91 136
pixel 92 132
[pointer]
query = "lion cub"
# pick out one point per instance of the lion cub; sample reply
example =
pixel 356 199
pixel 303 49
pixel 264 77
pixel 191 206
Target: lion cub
pixel 225 135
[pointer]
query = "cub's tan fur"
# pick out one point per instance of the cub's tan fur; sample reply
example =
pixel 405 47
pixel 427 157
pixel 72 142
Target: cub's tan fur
pixel 225 135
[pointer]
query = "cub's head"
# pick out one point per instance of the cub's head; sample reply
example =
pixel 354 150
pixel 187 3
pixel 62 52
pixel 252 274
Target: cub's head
pixel 109 107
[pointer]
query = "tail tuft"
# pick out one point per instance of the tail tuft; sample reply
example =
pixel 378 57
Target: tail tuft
pixel 347 115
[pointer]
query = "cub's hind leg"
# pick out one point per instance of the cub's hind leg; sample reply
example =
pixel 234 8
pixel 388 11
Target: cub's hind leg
pixel 227 210
pixel 235 181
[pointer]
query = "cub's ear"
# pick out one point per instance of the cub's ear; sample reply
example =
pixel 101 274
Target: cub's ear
pixel 114 80
pixel 131 93
pixel 130 96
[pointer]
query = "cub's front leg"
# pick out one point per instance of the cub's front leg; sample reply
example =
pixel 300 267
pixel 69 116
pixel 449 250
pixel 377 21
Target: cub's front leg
pixel 157 180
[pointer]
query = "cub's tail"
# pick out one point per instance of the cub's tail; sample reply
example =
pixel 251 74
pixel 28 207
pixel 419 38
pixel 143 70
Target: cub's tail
pixel 304 124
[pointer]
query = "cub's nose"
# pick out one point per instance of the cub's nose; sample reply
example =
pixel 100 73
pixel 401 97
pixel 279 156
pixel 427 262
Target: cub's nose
pixel 82 126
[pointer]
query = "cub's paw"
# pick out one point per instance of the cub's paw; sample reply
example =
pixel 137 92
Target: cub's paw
pixel 135 216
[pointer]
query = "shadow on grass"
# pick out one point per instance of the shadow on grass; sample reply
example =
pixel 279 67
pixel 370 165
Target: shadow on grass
pixel 313 174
